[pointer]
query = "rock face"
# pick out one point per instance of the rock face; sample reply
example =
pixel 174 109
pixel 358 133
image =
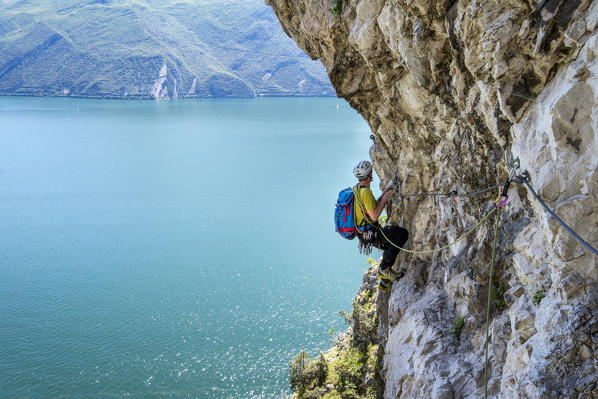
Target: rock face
pixel 454 91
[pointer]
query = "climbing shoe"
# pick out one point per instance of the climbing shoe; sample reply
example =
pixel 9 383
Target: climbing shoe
pixel 385 284
pixel 391 274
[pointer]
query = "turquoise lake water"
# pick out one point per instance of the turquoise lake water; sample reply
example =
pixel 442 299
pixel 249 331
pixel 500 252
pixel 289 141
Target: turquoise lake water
pixel 171 249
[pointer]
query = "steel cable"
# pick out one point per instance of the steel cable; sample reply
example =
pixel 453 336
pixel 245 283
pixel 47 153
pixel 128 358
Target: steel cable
pixel 519 179
pixel 574 234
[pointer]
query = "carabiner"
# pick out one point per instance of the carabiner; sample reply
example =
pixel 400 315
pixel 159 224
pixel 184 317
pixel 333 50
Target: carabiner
pixel 514 168
pixel 506 198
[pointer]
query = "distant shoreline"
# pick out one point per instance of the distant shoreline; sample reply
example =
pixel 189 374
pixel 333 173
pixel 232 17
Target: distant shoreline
pixel 163 98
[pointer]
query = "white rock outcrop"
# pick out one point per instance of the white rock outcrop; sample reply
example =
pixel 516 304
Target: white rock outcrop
pixel 160 89
pixel 454 91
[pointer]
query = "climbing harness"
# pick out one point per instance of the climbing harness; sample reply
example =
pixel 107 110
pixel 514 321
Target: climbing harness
pixel 365 243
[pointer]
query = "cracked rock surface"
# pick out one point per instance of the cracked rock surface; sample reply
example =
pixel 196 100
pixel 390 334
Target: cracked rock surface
pixel 454 91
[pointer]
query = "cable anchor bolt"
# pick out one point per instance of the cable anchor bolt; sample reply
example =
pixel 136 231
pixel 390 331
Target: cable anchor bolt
pixel 514 168
pixel 508 182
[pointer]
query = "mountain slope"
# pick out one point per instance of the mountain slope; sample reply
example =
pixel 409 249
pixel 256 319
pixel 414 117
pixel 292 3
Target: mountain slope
pixel 144 49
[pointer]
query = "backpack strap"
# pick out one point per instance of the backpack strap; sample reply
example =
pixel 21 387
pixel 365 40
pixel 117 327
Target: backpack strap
pixel 361 206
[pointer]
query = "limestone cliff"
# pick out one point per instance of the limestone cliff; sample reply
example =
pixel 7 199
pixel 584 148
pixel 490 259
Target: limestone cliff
pixel 454 90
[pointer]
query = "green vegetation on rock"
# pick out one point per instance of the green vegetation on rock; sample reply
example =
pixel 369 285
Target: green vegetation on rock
pixel 351 368
pixel 337 8
pixel 499 297
pixel 538 296
pixel 457 327
pixel 305 371
pixel 151 49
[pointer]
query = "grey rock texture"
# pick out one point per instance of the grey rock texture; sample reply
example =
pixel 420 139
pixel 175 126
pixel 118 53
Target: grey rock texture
pixel 454 91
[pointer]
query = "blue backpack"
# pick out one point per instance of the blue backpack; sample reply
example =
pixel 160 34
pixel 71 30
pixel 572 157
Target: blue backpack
pixel 344 216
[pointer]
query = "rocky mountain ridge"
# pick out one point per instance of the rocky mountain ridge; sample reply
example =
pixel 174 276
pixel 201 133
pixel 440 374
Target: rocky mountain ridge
pixel 455 91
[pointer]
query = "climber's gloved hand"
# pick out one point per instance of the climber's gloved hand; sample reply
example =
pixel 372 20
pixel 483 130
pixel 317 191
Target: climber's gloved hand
pixel 388 194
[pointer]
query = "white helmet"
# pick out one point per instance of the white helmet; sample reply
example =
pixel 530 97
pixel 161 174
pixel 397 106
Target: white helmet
pixel 362 170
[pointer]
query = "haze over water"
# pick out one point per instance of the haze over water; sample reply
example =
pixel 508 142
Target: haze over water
pixel 171 249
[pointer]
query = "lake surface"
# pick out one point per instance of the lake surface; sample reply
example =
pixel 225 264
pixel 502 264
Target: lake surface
pixel 171 249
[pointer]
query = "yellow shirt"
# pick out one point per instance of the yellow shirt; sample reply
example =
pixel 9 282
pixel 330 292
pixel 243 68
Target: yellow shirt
pixel 367 197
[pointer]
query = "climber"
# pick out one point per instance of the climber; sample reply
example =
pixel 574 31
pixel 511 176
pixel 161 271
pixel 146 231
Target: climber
pixel 367 211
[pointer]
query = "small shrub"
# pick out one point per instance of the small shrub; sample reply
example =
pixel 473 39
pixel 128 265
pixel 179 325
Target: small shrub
pixel 316 393
pixel 538 296
pixel 457 327
pixel 320 370
pixel 347 317
pixel 499 297
pixel 365 326
pixel 383 220
pixel 366 295
pixel 305 372
pixel 337 8
pixel 346 371
pixel 297 372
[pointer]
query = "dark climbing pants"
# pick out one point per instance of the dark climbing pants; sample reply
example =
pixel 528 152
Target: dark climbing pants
pixel 398 236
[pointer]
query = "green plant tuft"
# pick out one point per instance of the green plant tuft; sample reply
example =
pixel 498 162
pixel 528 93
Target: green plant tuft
pixel 457 327
pixel 348 317
pixel 383 220
pixel 499 297
pixel 538 296
pixel 337 8
pixel 331 334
